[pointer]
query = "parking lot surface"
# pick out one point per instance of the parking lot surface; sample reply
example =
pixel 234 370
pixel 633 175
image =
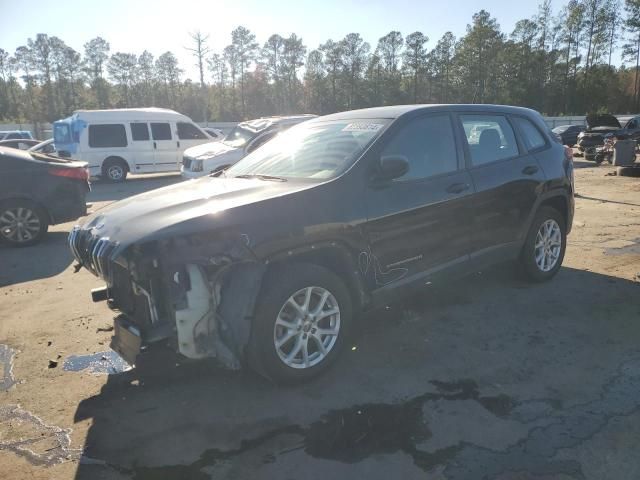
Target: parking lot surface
pixel 486 377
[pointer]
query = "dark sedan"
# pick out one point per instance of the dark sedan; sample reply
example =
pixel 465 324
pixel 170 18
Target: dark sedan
pixel 568 134
pixel 36 191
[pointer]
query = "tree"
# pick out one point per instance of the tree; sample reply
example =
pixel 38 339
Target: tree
pixel 168 74
pixel 415 58
pixel 96 54
pixel 390 48
pixel 332 54
pixel 245 48
pixel 631 49
pixel 218 69
pixel 441 59
pixel 293 53
pixel 122 67
pixel 200 51
pixel 271 56
pixel 477 55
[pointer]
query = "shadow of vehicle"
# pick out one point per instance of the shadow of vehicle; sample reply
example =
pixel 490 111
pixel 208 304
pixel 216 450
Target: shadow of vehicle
pixel 47 259
pixel 445 379
pixel 102 191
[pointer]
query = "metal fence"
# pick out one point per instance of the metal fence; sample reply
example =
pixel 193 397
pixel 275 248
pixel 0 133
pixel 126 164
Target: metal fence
pixel 43 130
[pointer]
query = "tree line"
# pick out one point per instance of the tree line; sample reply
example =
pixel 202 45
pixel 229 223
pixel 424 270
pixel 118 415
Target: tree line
pixel 559 63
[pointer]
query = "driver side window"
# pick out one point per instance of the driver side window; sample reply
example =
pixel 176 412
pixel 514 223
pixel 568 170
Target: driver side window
pixel 428 144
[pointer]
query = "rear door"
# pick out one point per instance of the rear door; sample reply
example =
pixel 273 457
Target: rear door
pixel 506 179
pixel 142 151
pixel 165 150
pixel 419 224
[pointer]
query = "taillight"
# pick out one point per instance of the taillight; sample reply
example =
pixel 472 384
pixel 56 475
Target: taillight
pixel 76 173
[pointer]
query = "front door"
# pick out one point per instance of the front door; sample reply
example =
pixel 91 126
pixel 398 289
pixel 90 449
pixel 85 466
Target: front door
pixel 165 148
pixel 419 224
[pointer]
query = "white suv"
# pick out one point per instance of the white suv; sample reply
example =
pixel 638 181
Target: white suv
pixel 242 140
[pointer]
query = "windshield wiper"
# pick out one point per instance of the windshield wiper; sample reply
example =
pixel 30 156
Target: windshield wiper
pixel 271 178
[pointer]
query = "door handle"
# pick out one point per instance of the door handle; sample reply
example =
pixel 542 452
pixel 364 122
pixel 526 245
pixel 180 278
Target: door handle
pixel 530 170
pixel 154 145
pixel 178 144
pixel 457 187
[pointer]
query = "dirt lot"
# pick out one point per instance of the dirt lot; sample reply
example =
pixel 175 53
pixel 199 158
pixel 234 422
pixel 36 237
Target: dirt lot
pixel 487 378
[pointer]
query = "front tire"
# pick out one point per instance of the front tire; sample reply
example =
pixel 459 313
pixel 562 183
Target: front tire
pixel 545 245
pixel 303 320
pixel 22 223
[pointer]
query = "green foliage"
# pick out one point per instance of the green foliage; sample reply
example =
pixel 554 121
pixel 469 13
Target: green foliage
pixel 556 63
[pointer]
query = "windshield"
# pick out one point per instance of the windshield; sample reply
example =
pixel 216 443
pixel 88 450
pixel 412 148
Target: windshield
pixel 319 150
pixel 239 136
pixel 61 133
pixel 561 128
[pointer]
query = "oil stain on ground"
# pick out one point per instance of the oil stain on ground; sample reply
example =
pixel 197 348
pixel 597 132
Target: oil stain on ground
pixel 350 435
pixel 109 363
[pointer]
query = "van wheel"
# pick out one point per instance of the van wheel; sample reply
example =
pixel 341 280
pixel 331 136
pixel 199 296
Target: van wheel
pixel 115 170
pixel 544 247
pixel 22 223
pixel 302 322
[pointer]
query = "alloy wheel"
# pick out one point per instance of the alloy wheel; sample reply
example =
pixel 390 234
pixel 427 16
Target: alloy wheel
pixel 307 327
pixel 19 224
pixel 548 245
pixel 115 172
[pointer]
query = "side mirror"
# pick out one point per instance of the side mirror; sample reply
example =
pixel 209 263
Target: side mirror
pixel 392 166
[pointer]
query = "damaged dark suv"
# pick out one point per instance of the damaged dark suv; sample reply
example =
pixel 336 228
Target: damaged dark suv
pixel 267 263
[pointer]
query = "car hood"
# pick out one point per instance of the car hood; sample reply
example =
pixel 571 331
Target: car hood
pixel 209 150
pixel 189 207
pixel 595 120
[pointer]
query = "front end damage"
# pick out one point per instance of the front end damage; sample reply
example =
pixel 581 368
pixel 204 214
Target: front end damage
pixel 195 293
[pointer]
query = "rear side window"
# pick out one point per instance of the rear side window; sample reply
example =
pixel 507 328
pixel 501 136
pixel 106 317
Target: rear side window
pixel 531 136
pixel 428 143
pixel 107 136
pixel 188 131
pixel 13 136
pixel 490 138
pixel 161 131
pixel 139 131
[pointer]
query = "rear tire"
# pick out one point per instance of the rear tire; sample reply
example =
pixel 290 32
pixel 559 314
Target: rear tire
pixel 22 223
pixel 114 170
pixel 291 343
pixel 545 245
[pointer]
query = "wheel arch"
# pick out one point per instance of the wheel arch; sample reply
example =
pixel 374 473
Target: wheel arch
pixel 40 205
pixel 335 257
pixel 116 158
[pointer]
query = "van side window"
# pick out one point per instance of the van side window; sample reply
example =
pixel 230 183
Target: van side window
pixel 188 131
pixel 429 146
pixel 531 136
pixel 107 136
pixel 161 131
pixel 139 131
pixel 490 138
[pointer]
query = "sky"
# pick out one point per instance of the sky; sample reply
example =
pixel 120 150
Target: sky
pixel 159 25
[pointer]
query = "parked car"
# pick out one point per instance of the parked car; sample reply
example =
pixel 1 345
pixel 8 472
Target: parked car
pixel 215 133
pixel 568 134
pixel 15 134
pixel 269 261
pixel 138 140
pixel 599 125
pixel 243 139
pixel 47 147
pixel 37 191
pixel 19 143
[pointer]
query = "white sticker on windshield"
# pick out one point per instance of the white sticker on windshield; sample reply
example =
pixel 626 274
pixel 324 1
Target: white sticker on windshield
pixel 363 127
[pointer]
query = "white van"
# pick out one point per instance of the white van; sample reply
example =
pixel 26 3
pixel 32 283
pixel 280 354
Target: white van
pixel 137 140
